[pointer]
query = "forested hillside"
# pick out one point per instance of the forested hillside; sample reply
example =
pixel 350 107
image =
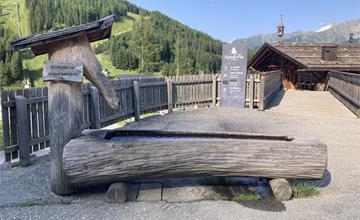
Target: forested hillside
pixel 158 43
pixel 142 41
pixel 10 62
pixel 54 14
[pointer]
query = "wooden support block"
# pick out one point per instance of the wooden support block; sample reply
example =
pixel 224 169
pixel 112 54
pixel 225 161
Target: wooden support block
pixel 117 193
pixel 281 189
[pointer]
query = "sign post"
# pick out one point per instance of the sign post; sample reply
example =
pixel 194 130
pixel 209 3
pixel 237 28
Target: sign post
pixel 233 75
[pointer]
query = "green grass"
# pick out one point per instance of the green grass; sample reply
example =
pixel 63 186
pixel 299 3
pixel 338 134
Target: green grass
pixel 1 136
pixel 126 24
pixel 301 190
pixel 44 203
pixel 10 19
pixel 242 197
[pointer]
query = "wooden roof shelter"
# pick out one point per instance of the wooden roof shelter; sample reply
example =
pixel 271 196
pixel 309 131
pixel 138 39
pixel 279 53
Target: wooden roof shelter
pixel 307 61
pixel 310 56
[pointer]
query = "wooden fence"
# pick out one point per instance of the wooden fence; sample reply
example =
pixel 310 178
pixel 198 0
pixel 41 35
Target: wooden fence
pixel 270 85
pixel 346 88
pixel 25 111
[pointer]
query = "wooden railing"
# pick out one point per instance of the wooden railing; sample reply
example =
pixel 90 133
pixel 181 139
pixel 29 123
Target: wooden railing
pixel 25 111
pixel 346 88
pixel 271 84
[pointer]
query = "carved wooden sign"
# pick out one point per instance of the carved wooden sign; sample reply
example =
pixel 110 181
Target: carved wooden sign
pixel 72 71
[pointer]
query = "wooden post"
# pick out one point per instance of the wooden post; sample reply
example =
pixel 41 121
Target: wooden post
pixel 251 92
pixel 262 93
pixel 65 108
pixel 170 95
pixel 214 82
pixel 95 109
pixel 65 112
pixel 22 122
pixel 136 100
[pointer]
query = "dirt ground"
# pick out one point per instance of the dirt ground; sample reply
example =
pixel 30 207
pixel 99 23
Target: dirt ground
pixel 339 198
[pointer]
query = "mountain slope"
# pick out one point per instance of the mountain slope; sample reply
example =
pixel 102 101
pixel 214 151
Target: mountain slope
pixel 336 33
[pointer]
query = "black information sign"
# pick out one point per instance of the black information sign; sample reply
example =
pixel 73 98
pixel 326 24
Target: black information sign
pixel 233 75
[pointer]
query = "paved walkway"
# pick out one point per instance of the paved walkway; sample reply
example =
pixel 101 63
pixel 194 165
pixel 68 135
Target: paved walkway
pixel 25 192
pixel 309 103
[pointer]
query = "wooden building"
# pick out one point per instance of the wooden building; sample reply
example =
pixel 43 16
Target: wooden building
pixel 306 66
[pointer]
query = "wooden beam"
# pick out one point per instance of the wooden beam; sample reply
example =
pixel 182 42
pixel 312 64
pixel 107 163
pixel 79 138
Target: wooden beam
pixel 79 49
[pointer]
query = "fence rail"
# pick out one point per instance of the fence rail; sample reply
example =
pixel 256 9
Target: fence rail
pixel 346 88
pixel 25 111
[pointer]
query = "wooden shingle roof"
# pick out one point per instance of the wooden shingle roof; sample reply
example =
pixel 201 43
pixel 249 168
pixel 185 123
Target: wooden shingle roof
pixel 39 44
pixel 309 56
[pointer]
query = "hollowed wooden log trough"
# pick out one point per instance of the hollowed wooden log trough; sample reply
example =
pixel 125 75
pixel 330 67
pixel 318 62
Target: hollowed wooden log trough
pixel 112 156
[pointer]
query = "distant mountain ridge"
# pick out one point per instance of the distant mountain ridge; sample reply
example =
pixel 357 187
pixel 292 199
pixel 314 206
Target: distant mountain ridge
pixel 332 33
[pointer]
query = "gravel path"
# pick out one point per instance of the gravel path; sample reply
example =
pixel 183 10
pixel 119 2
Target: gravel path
pixel 340 199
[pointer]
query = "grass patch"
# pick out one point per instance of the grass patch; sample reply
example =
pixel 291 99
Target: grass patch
pixel 301 190
pixel 44 203
pixel 242 197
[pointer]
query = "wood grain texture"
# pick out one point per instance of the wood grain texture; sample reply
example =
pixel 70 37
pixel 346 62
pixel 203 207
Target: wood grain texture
pixel 78 49
pixel 90 160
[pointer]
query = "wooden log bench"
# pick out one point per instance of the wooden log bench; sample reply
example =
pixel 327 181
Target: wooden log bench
pixel 114 156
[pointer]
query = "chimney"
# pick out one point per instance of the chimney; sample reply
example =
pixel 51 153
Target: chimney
pixel 351 38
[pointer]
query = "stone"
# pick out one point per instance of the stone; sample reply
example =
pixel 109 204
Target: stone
pixel 281 189
pixel 117 193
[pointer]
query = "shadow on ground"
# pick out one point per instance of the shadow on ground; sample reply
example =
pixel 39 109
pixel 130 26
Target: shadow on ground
pixel 277 100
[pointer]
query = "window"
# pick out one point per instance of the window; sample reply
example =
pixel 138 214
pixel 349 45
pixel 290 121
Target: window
pixel 329 53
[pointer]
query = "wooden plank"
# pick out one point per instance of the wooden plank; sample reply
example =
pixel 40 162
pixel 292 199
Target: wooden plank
pixel 34 119
pixel 5 122
pixel 39 93
pixel 46 117
pixel 95 109
pixel 213 89
pixel 22 121
pixel 251 92
pixel 136 100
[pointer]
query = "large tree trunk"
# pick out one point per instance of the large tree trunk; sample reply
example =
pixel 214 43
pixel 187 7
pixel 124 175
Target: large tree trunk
pixel 91 159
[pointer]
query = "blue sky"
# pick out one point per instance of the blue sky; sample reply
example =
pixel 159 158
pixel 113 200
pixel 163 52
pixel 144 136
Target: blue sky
pixel 230 19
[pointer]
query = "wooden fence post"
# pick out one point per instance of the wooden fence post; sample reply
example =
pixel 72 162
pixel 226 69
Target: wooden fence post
pixel 170 95
pixel 136 100
pixel 262 91
pixel 214 84
pixel 22 122
pixel 95 108
pixel 251 92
